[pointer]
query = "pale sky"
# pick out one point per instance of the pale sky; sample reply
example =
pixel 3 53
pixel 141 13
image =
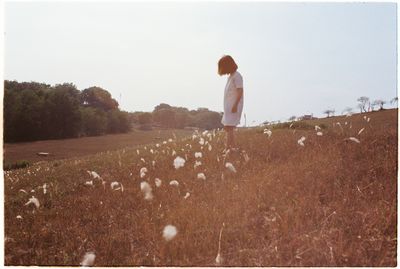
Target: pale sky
pixel 295 58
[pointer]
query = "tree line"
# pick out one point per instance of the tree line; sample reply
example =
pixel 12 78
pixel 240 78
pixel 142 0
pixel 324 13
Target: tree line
pixel 37 111
pixel 167 116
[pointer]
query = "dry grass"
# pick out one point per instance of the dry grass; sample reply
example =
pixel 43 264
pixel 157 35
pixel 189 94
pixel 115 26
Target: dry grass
pixel 76 147
pixel 332 202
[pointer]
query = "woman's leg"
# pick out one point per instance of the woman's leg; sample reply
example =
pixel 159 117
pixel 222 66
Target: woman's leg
pixel 230 138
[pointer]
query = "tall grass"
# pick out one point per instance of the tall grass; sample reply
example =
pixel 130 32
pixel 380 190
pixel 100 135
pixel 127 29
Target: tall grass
pixel 332 202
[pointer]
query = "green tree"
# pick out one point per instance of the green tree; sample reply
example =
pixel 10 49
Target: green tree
pixel 98 98
pixel 94 121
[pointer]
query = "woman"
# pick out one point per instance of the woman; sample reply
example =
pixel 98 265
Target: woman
pixel 233 98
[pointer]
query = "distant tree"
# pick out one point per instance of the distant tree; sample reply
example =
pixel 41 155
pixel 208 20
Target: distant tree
pixel 394 101
pixel 98 98
pixel 363 103
pixel 161 106
pixel 329 112
pixel 62 107
pixel 145 118
pixel 292 118
pixel 94 121
pixel 166 117
pixel 208 120
pixel 379 103
pixel 117 121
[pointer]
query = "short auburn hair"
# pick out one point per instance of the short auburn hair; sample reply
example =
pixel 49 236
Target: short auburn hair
pixel 226 65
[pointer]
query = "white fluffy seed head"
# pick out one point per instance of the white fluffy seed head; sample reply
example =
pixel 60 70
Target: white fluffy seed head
pixel 174 183
pixel 186 196
pixel 169 232
pixel 230 167
pixel 198 155
pixel 354 140
pixel 146 189
pixel 268 132
pixel 88 259
pixel 179 162
pixel 201 176
pixel 34 201
pixel 196 164
pixel 158 182
pixel 301 141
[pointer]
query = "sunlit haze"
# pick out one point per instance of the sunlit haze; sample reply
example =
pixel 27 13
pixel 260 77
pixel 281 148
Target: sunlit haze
pixel 295 58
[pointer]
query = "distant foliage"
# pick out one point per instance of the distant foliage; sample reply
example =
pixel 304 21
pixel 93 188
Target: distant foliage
pixel 179 117
pixel 37 111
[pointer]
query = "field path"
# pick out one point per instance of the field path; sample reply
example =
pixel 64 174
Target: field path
pixel 77 147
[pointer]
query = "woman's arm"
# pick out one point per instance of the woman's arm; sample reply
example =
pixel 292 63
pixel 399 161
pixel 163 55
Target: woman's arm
pixel 239 96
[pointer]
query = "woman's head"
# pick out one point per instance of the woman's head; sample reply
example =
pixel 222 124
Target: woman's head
pixel 226 65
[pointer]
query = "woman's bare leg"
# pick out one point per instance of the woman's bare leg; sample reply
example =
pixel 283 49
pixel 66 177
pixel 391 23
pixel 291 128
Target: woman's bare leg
pixel 230 138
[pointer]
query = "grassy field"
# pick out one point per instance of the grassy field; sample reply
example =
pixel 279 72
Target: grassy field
pixel 76 147
pixel 331 202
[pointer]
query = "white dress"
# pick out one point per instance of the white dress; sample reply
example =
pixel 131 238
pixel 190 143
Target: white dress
pixel 234 82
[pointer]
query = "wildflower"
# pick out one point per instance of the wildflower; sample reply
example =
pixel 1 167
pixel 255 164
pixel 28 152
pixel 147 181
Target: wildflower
pixel 44 188
pixel 173 153
pixel 230 167
pixel 174 183
pixel 179 162
pixel 198 155
pixel 170 140
pixel 116 186
pixel 146 189
pixel 354 140
pixel 158 182
pixel 19 217
pixel 317 128
pixel 201 142
pixel 153 163
pixel 142 160
pixel 301 141
pixel 201 176
pixel 245 156
pixel 88 259
pixel 22 190
pixel 196 164
pixel 94 174
pixel 164 142
pixel 138 152
pixel 34 201
pixel 368 119
pixel 89 183
pixel 157 145
pixel 319 133
pixel 169 232
pixel 359 132
pixel 186 196
pixel 143 172
pixel 151 151
pixel 205 133
pixel 209 147
pixel 194 137
pixel 268 132
pixel 365 117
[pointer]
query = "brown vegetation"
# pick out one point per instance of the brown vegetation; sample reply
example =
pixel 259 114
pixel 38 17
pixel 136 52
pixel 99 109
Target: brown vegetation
pixel 332 202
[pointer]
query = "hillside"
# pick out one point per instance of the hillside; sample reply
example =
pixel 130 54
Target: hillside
pixel 330 202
